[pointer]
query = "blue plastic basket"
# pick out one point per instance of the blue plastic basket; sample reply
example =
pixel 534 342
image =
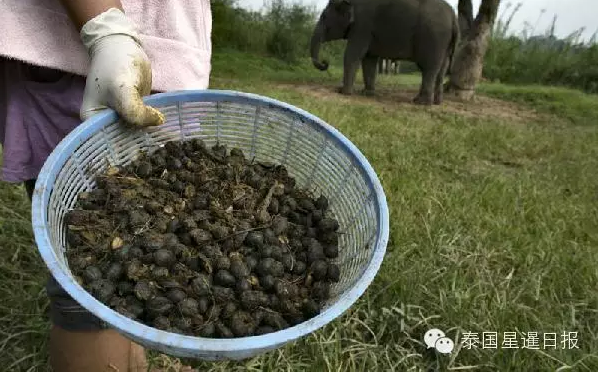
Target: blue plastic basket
pixel 315 153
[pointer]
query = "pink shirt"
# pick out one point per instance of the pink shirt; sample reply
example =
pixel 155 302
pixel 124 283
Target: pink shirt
pixel 176 34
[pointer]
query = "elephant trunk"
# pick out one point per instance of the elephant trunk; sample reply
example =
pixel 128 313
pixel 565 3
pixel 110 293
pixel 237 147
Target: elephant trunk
pixel 316 41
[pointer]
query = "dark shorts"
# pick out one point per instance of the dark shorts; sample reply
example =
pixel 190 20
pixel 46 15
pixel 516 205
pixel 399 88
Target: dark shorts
pixel 64 311
pixel 38 108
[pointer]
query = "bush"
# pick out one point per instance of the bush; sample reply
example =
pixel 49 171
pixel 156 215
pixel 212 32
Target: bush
pixel 282 31
pixel 291 28
pixel 236 28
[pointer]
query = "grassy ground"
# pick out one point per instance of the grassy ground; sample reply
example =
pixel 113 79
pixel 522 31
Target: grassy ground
pixel 494 228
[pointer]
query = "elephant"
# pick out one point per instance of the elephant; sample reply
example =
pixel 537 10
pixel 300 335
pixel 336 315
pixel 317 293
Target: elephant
pixel 423 31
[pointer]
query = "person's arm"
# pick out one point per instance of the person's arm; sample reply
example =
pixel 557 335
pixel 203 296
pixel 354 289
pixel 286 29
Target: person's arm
pixel 81 11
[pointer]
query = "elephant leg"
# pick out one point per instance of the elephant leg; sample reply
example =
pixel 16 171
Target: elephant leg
pixel 439 88
pixel 354 53
pixel 368 68
pixel 426 91
pixel 350 69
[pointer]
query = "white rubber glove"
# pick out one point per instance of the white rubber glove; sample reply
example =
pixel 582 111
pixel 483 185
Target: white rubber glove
pixel 120 72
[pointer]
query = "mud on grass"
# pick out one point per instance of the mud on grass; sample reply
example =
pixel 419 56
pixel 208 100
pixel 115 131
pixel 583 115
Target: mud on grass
pixel 201 241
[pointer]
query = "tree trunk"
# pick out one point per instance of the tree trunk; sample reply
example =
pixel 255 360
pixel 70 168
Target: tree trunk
pixel 465 17
pixel 469 58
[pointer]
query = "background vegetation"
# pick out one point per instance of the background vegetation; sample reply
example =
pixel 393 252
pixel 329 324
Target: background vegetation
pixel 282 30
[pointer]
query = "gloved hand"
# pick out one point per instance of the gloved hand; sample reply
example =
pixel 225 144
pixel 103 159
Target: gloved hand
pixel 120 71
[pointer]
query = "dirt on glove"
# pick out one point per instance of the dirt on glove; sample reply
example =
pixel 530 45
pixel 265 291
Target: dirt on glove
pixel 202 241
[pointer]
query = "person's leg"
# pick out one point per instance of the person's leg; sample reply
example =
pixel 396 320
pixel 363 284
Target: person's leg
pixel 99 351
pixel 78 339
pixel 79 342
pixel 43 108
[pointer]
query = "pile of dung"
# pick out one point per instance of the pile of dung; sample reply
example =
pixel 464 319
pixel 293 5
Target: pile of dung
pixel 201 241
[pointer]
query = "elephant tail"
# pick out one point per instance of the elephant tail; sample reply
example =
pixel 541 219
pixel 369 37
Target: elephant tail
pixel 454 44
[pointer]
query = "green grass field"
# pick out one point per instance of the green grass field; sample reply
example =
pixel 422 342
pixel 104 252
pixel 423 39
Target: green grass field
pixel 494 228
